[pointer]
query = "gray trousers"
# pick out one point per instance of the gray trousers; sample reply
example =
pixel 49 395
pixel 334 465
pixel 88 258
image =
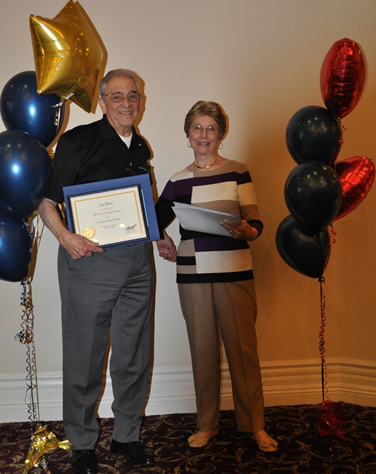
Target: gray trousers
pixel 111 291
pixel 229 309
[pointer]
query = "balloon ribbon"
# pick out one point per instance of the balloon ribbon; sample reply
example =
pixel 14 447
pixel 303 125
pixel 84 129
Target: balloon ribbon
pixel 26 335
pixel 42 441
pixel 330 413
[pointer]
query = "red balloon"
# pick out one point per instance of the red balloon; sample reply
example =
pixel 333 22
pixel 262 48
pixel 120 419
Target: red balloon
pixel 342 78
pixel 356 176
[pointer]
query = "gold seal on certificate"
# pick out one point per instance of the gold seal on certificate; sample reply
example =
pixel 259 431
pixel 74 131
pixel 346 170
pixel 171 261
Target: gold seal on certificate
pixel 88 232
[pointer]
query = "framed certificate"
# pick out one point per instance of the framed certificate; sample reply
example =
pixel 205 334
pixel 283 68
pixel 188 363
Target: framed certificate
pixel 113 212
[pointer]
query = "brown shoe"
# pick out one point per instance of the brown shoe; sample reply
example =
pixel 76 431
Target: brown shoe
pixel 201 438
pixel 264 442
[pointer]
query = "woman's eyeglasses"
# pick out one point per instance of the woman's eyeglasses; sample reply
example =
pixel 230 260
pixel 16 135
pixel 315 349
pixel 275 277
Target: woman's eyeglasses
pixel 211 130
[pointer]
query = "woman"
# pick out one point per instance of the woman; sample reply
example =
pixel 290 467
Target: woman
pixel 215 278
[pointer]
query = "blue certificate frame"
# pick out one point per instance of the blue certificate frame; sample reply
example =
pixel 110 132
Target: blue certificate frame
pixel 119 199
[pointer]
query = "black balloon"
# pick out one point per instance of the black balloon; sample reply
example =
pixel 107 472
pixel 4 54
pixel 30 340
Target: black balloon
pixel 25 172
pixel 22 108
pixel 306 252
pixel 313 133
pixel 15 248
pixel 313 194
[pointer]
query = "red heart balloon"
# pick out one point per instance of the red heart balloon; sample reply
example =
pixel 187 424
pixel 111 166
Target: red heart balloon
pixel 342 78
pixel 356 176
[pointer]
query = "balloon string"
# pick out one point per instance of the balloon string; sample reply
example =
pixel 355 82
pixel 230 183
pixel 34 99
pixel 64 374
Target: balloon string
pixel 62 101
pixel 333 234
pixel 343 129
pixel 40 443
pixel 58 112
pixel 324 381
pixel 26 336
pixel 57 118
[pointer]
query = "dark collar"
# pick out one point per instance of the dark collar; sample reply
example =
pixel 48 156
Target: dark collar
pixel 108 131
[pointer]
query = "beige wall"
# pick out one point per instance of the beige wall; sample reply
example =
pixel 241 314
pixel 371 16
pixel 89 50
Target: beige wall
pixel 261 60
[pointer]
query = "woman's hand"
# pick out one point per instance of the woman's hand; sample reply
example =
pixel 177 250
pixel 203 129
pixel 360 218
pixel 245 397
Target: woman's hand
pixel 242 231
pixel 166 248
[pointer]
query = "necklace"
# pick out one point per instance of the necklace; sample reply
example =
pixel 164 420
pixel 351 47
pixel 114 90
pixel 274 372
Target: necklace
pixel 205 167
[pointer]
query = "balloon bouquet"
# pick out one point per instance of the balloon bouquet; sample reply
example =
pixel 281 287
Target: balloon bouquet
pixel 67 56
pixel 321 190
pixel 25 167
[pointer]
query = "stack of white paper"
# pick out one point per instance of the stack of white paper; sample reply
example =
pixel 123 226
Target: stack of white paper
pixel 201 219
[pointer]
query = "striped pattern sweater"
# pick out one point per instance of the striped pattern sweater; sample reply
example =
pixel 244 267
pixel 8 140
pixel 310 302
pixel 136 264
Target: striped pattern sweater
pixel 204 258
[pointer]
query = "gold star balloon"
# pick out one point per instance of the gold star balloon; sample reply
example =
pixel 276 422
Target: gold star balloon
pixel 67 55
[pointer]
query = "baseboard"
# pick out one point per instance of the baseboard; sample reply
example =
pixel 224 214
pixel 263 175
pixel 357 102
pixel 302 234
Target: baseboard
pixel 172 391
pixel 300 382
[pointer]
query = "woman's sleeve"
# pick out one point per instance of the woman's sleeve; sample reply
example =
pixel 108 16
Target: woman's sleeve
pixel 247 200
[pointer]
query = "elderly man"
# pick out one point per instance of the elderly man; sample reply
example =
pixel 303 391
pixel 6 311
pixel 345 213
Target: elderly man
pixel 104 290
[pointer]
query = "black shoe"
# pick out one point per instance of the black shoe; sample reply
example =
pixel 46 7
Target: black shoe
pixel 84 461
pixel 134 452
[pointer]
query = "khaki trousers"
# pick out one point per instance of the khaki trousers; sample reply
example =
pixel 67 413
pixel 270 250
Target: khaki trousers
pixel 228 310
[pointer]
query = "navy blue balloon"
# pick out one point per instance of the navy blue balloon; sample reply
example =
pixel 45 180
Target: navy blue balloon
pixel 25 173
pixel 306 252
pixel 15 248
pixel 22 108
pixel 314 134
pixel 313 194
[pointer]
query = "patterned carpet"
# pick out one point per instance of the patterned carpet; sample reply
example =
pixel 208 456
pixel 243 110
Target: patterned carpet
pixel 301 447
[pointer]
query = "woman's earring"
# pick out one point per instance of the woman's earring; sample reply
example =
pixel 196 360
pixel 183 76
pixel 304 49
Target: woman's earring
pixel 220 146
pixel 189 144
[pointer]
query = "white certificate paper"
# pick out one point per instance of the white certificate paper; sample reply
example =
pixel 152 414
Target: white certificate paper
pixel 201 219
pixel 109 217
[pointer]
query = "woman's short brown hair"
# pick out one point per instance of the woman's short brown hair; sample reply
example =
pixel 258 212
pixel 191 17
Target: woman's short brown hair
pixel 212 109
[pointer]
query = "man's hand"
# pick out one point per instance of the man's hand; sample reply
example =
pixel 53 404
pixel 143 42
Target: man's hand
pixel 76 245
pixel 79 246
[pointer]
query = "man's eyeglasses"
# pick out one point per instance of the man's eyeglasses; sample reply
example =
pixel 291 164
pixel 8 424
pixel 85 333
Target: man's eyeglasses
pixel 119 96
pixel 211 130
